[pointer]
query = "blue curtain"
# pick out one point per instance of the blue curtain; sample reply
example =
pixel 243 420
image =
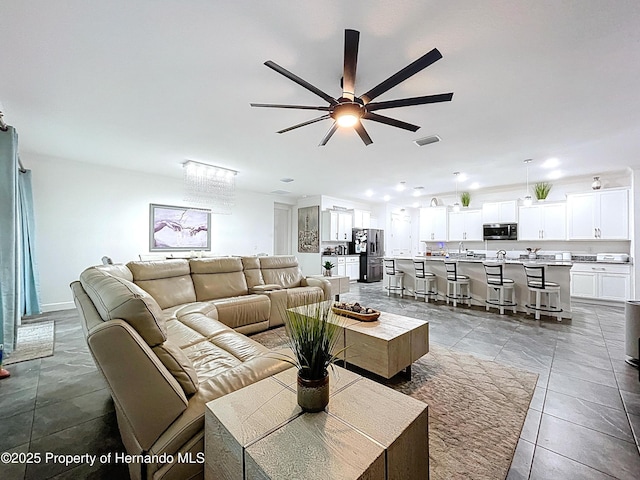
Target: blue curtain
pixel 29 291
pixel 9 284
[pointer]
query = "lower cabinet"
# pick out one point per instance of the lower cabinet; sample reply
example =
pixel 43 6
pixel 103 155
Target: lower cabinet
pixel 353 267
pixel 601 281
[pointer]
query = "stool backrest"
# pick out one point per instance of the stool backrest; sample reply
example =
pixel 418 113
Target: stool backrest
pixel 419 268
pixel 390 266
pixel 452 270
pixel 535 276
pixel 494 273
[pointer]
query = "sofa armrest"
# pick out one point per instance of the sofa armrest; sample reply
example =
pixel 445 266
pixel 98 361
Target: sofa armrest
pixel 318 282
pixel 265 288
pixel 148 396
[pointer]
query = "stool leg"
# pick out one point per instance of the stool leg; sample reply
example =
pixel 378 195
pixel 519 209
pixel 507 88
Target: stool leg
pixel 558 305
pixel 501 300
pixel 538 295
pixel 488 298
pixel 448 291
pixel 401 286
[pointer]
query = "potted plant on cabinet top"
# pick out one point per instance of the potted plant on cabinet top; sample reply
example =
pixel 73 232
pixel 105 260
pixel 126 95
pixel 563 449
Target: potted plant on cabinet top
pixel 313 339
pixel 327 268
pixel 465 199
pixel 542 189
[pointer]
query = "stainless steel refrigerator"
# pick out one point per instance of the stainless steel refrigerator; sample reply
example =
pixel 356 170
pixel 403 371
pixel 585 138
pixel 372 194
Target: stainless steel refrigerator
pixel 369 244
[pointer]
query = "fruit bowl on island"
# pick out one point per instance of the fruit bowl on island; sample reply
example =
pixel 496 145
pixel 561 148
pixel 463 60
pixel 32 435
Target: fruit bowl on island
pixel 355 311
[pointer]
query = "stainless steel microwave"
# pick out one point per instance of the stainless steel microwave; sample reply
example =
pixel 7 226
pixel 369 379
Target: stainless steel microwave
pixel 500 231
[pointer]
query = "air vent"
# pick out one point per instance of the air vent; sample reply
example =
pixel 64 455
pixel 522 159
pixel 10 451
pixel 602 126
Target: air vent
pixel 421 142
pixel 286 180
pixel 280 192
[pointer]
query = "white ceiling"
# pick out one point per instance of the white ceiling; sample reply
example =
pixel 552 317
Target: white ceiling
pixel 145 85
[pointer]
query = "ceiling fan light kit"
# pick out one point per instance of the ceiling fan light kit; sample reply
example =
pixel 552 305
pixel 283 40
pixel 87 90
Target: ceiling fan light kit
pixel 348 111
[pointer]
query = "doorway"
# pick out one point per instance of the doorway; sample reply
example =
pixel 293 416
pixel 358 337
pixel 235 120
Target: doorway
pixel 281 229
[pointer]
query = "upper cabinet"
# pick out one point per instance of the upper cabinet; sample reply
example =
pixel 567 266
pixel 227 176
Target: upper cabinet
pixel 500 212
pixel 546 221
pixel 603 214
pixel 465 225
pixel 433 224
pixel 361 219
pixel 336 226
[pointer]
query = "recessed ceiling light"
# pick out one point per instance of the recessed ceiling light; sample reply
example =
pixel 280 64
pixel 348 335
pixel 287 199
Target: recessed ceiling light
pixel 386 198
pixel 401 186
pixel 369 193
pixel 550 163
pixel 280 192
pixel 417 191
pixel 286 180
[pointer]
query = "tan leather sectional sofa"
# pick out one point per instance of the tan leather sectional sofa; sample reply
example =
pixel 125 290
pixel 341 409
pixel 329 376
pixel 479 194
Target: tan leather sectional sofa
pixel 168 338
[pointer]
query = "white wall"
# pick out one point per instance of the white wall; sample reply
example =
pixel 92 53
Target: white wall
pixel 84 211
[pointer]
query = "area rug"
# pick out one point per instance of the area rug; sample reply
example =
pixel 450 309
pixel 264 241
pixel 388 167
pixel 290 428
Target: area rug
pixel 476 409
pixel 35 340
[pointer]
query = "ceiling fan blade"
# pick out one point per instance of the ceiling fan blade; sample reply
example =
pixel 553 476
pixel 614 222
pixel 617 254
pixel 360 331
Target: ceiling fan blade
pixel 297 107
pixel 303 124
pixel 390 121
pixel 328 135
pixel 399 77
pixel 301 82
pixel 351 40
pixel 358 127
pixel 407 102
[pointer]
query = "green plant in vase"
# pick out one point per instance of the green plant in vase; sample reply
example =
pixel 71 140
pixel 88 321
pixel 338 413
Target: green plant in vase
pixel 541 190
pixel 327 268
pixel 465 199
pixel 313 339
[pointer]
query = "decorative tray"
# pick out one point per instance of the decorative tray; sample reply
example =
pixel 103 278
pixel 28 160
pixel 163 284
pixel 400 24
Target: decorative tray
pixel 361 316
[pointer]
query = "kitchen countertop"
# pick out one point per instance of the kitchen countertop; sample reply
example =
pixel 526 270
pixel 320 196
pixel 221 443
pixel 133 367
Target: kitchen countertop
pixel 464 259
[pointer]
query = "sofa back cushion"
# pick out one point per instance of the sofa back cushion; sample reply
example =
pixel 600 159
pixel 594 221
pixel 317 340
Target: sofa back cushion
pixel 215 278
pixel 252 271
pixel 115 297
pixel 168 281
pixel 282 270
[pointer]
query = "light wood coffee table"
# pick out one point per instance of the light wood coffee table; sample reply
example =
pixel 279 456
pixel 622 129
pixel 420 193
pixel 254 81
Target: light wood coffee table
pixel 384 347
pixel 367 431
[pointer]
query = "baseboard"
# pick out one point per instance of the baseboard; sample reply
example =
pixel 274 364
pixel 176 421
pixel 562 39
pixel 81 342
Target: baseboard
pixel 54 307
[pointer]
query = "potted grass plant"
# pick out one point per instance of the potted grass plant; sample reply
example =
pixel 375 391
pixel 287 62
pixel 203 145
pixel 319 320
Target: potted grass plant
pixel 327 268
pixel 542 189
pixel 465 199
pixel 313 339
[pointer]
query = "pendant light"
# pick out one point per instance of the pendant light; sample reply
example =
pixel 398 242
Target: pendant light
pixel 456 206
pixel 527 199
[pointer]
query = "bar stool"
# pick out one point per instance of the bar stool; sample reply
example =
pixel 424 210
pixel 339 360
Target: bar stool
pixel 537 284
pixel 426 280
pixel 455 282
pixel 395 278
pixel 500 285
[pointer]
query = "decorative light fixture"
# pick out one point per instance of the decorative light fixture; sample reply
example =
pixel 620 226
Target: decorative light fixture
pixel 209 185
pixel 597 184
pixel 527 199
pixel 456 206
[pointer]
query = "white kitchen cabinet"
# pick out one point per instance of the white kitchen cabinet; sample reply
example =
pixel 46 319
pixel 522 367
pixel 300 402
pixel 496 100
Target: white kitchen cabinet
pixel 603 214
pixel 601 281
pixel 542 222
pixel 465 225
pixel 361 219
pixel 500 212
pixel 341 266
pixel 353 267
pixel 433 224
pixel 336 226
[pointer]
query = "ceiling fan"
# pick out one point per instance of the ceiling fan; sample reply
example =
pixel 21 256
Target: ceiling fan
pixel 349 110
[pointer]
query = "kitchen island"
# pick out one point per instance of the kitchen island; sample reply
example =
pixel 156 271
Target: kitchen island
pixel 556 271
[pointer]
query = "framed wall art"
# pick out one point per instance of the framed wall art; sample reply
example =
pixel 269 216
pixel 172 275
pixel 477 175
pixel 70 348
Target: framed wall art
pixel 173 229
pixel 308 229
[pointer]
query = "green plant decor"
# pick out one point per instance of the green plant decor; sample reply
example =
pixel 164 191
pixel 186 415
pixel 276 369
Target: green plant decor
pixel 542 189
pixel 465 199
pixel 312 338
pixel 328 265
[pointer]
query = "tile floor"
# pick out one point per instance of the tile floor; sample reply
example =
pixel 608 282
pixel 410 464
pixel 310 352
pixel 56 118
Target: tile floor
pixel 583 422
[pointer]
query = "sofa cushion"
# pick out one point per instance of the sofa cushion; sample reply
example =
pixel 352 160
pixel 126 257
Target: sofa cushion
pixel 282 270
pixel 178 365
pixel 215 278
pixel 252 271
pixel 116 297
pixel 240 311
pixel 168 281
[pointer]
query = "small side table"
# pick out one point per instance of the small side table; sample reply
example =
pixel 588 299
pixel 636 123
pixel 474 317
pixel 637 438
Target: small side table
pixel 339 284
